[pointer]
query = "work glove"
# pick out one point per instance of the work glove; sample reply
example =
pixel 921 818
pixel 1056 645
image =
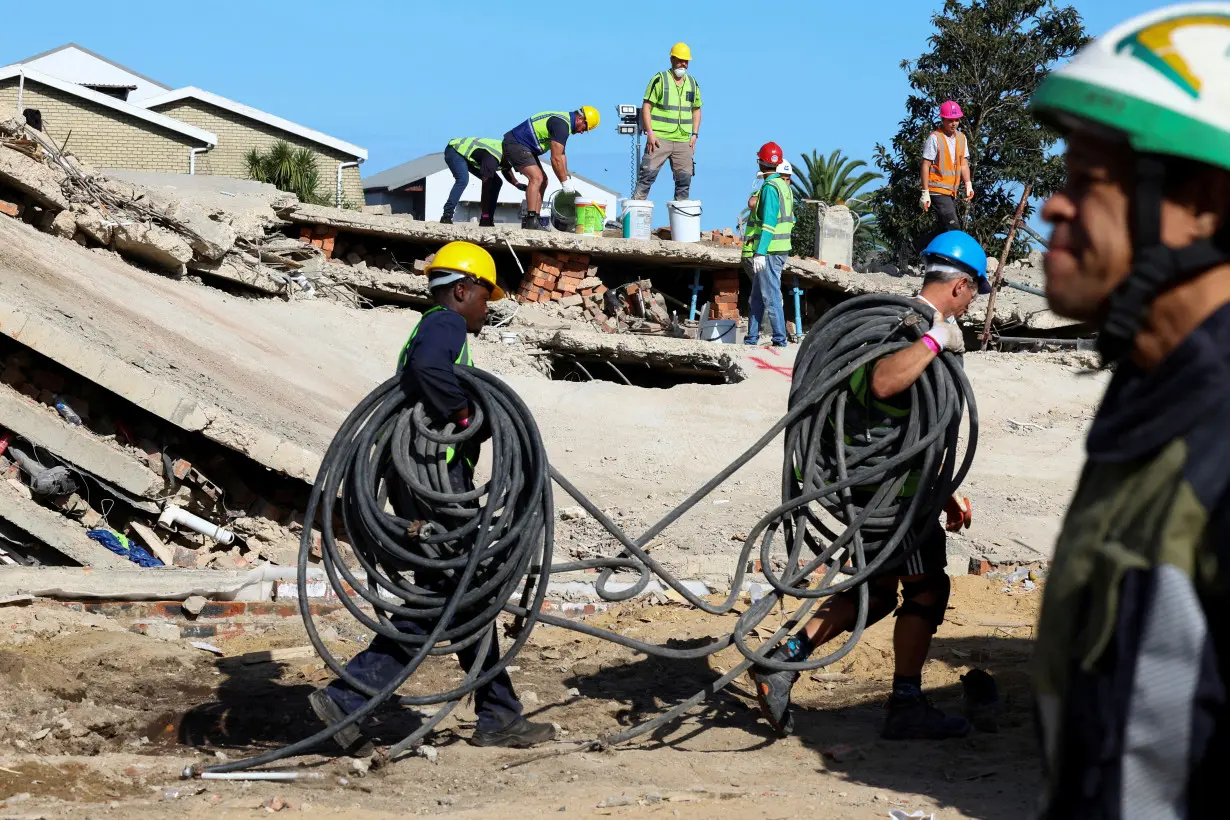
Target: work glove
pixel 568 186
pixel 958 513
pixel 926 200
pixel 758 264
pixel 947 335
pixel 969 193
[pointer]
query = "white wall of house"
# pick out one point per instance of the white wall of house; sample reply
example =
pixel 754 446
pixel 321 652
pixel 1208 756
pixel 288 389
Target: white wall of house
pixel 440 183
pixel 79 67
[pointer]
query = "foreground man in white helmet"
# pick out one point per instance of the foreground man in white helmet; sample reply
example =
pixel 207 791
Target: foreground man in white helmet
pixel 1133 648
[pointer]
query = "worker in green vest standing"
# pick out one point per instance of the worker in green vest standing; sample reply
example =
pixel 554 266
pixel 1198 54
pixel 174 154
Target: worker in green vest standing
pixel 670 117
pixel 766 244
pixel 548 131
pixel 482 157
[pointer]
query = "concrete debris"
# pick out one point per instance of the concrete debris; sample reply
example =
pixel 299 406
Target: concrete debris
pixel 96 227
pixel 63 225
pixel 209 239
pixel 38 182
pixel 675 354
pixel 52 529
pixel 154 245
pixel 127 582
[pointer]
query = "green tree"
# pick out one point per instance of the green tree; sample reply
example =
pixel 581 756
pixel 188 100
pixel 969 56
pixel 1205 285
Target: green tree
pixel 289 169
pixel 835 180
pixel 989 56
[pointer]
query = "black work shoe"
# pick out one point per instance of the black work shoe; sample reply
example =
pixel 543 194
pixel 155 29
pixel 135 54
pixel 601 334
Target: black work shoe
pixel 486 222
pixel 521 734
pixel 773 694
pixel 916 719
pixel 351 738
pixel 447 219
pixel 530 222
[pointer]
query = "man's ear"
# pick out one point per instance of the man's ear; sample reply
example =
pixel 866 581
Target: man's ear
pixel 460 288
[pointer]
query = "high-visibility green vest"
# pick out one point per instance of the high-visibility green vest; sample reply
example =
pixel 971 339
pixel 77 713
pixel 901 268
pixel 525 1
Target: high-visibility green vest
pixel 466 146
pixel 463 358
pixel 539 123
pixel 672 119
pixel 785 221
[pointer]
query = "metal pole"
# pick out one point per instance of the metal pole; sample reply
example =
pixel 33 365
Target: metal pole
pixel 797 292
pixel 1003 260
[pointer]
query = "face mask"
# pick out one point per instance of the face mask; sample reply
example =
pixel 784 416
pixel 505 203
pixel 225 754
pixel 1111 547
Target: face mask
pixel 679 72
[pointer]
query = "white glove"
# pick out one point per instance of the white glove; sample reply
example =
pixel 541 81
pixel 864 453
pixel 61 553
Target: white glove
pixel 759 263
pixel 925 201
pixel 568 186
pixel 947 335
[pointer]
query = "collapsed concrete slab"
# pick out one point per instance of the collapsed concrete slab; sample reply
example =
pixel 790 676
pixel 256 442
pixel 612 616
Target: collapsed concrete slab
pixel 34 179
pixel 209 239
pixel 630 349
pixel 128 583
pixel 76 446
pixel 96 227
pixel 1014 309
pixel 153 245
pixel 51 528
pixel 262 281
pixel 383 285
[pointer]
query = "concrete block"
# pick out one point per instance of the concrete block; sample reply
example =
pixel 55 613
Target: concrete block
pixel 54 530
pixel 76 446
pixel 37 181
pixel 93 224
pixel 835 235
pixel 153 245
pixel 63 225
pixel 211 240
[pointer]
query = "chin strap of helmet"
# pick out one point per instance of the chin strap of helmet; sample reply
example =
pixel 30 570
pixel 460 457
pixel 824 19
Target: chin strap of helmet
pixel 1154 266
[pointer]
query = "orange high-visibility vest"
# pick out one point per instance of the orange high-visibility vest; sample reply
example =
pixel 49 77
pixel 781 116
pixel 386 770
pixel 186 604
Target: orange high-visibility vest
pixel 944 175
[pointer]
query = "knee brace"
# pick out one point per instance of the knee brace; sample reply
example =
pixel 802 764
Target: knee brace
pixel 926 598
pixel 881 600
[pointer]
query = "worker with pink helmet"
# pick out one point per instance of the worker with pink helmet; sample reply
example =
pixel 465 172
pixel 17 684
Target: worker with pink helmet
pixel 945 165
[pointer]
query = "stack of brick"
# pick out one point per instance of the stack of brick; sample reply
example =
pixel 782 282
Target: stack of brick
pixel 724 298
pixel 723 238
pixel 560 277
pixel 320 236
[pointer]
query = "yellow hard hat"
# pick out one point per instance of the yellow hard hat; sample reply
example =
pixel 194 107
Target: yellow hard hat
pixel 591 117
pixel 468 259
pixel 680 51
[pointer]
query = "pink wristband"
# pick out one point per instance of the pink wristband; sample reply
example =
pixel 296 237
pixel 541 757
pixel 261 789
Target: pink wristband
pixel 932 344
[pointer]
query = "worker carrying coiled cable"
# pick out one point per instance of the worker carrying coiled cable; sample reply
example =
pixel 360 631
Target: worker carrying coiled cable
pixel 891 527
pixel 462 280
pixel 431 576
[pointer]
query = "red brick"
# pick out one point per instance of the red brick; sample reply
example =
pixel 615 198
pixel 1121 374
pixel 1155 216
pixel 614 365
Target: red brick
pixel 600 289
pixel 587 291
pixel 9 208
pixel 979 566
pixel 556 295
pixel 567 286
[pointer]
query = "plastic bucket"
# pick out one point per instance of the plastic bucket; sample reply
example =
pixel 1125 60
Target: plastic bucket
pixel 591 217
pixel 637 218
pixel 718 330
pixel 685 219
pixel 563 211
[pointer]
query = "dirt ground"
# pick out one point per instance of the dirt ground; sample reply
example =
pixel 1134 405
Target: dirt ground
pixel 98 720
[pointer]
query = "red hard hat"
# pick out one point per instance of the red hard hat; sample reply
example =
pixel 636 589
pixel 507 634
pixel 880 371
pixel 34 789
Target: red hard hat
pixel 770 153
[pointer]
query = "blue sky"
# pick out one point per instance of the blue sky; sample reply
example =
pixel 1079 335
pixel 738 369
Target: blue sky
pixel 402 78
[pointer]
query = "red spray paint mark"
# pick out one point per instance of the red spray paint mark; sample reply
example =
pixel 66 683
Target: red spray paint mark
pixel 761 364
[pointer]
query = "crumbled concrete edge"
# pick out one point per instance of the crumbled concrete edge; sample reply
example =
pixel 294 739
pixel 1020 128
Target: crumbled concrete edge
pixel 126 582
pixel 163 400
pixel 49 527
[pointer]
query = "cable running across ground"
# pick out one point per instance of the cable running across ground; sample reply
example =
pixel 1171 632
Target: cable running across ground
pixel 494 545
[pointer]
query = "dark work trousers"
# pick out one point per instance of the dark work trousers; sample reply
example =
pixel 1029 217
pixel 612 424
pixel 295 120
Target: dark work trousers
pixel 944 208
pixel 461 174
pixel 495 703
pixel 488 172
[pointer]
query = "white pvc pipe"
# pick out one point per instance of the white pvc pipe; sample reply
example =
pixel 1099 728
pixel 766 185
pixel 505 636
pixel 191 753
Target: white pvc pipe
pixel 21 87
pixel 172 515
pixel 262 775
pixel 337 200
pixel 192 152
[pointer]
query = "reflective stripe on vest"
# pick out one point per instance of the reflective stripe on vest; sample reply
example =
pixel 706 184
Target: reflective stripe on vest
pixel 463 357
pixel 674 115
pixel 468 145
pixel 538 123
pixel 785 221
pixel 944 175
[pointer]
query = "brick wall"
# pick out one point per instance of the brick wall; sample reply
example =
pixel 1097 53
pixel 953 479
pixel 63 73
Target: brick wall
pixel 237 135
pixel 101 136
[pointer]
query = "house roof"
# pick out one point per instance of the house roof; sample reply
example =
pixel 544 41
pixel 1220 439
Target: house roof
pixel 96 56
pixel 194 93
pixel 401 175
pixel 161 120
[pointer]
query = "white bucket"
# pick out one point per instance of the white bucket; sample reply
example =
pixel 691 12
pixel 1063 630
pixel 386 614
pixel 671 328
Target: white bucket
pixel 637 218
pixel 718 330
pixel 508 337
pixel 685 219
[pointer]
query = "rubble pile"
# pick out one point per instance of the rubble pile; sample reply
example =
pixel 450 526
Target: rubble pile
pixel 564 278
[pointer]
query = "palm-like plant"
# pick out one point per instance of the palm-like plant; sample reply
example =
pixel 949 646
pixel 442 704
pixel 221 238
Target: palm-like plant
pixel 288 169
pixel 837 180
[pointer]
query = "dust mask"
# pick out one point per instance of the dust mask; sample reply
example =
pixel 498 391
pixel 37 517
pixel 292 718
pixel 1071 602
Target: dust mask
pixel 679 72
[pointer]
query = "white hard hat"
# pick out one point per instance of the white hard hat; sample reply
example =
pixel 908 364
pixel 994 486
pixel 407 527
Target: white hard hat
pixel 785 167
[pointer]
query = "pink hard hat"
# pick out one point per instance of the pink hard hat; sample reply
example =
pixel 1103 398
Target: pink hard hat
pixel 950 111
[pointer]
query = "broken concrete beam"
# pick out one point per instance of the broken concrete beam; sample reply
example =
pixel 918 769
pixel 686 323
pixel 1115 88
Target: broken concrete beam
pixel 382 285
pixel 263 280
pixel 37 181
pixel 64 225
pixel 153 543
pixel 632 349
pixel 152 244
pixel 76 446
pixel 210 240
pixel 127 582
pixel 48 526
pixel 93 224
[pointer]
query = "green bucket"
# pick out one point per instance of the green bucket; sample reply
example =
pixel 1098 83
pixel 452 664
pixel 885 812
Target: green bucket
pixel 591 217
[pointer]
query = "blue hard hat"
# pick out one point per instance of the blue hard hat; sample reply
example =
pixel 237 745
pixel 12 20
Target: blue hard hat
pixel 963 250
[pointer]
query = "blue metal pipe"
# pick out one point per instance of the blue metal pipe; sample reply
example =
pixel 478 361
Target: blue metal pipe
pixel 798 310
pixel 695 288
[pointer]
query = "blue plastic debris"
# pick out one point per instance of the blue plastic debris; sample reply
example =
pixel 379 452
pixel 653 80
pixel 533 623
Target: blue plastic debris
pixel 122 545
